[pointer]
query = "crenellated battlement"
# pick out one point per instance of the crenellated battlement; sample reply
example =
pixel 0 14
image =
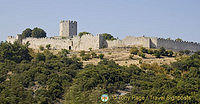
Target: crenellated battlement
pixel 178 45
pixel 181 42
pixel 68 21
pixel 68 28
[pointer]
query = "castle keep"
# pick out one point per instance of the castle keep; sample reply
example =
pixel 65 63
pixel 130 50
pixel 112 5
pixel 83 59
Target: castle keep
pixel 68 28
pixel 68 39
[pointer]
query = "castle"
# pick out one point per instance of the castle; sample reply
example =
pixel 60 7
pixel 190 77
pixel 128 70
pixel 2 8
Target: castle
pixel 68 39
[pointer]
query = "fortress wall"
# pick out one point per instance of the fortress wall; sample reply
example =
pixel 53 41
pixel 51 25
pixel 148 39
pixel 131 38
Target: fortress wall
pixel 86 41
pixel 137 41
pixel 177 46
pixel 35 43
pixel 153 42
pixel 114 43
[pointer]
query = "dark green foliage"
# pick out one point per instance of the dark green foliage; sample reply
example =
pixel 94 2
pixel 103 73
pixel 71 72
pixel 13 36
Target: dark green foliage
pixel 64 53
pixel 179 40
pixel 38 33
pixel 41 48
pixel 131 56
pixel 83 33
pixel 187 52
pixel 144 50
pixel 94 55
pixel 90 49
pixel 40 57
pixel 157 54
pixel 82 53
pixel 53 79
pixel 101 56
pixel 170 53
pixel 106 77
pixel 142 55
pixel 48 46
pixel 86 57
pixel 27 33
pixel 108 36
pixel 42 80
pixel 150 51
pixel 134 51
pixel 14 52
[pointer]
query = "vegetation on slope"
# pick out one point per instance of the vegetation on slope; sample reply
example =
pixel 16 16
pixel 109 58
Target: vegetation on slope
pixel 27 77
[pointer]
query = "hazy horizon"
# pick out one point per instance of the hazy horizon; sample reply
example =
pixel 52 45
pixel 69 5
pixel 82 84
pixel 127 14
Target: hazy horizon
pixel 172 18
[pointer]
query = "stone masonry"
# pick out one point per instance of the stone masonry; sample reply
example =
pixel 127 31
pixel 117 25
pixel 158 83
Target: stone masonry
pixel 68 39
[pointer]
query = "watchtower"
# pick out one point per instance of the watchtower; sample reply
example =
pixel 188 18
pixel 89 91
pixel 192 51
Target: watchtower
pixel 68 28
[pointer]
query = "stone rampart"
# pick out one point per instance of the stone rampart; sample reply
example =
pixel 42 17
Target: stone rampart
pixel 35 43
pixel 177 45
pixel 114 43
pixel 96 42
pixel 137 41
pixel 87 41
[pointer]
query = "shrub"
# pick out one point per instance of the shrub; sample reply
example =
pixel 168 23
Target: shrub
pixel 41 48
pixel 94 55
pixel 48 46
pixel 134 51
pixel 144 50
pixel 108 36
pixel 157 54
pixel 82 53
pixel 187 52
pixel 131 56
pixel 150 51
pixel 181 53
pixel 63 52
pixel 82 33
pixel 142 55
pixel 40 57
pixel 162 51
pixel 90 49
pixel 170 53
pixel 86 57
pixel 101 56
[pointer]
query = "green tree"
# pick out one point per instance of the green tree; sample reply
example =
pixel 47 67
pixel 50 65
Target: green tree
pixel 82 53
pixel 108 36
pixel 64 53
pixel 101 56
pixel 86 57
pixel 144 50
pixel 187 52
pixel 142 55
pixel 40 57
pixel 83 33
pixel 179 39
pixel 14 52
pixel 94 55
pixel 170 53
pixel 38 33
pixel 48 46
pixel 27 33
pixel 157 54
pixel 41 48
pixel 134 51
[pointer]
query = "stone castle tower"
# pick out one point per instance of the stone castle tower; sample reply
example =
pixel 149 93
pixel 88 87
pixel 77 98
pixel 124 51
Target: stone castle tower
pixel 68 28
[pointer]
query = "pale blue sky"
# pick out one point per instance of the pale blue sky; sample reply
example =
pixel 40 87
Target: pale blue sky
pixel 159 18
